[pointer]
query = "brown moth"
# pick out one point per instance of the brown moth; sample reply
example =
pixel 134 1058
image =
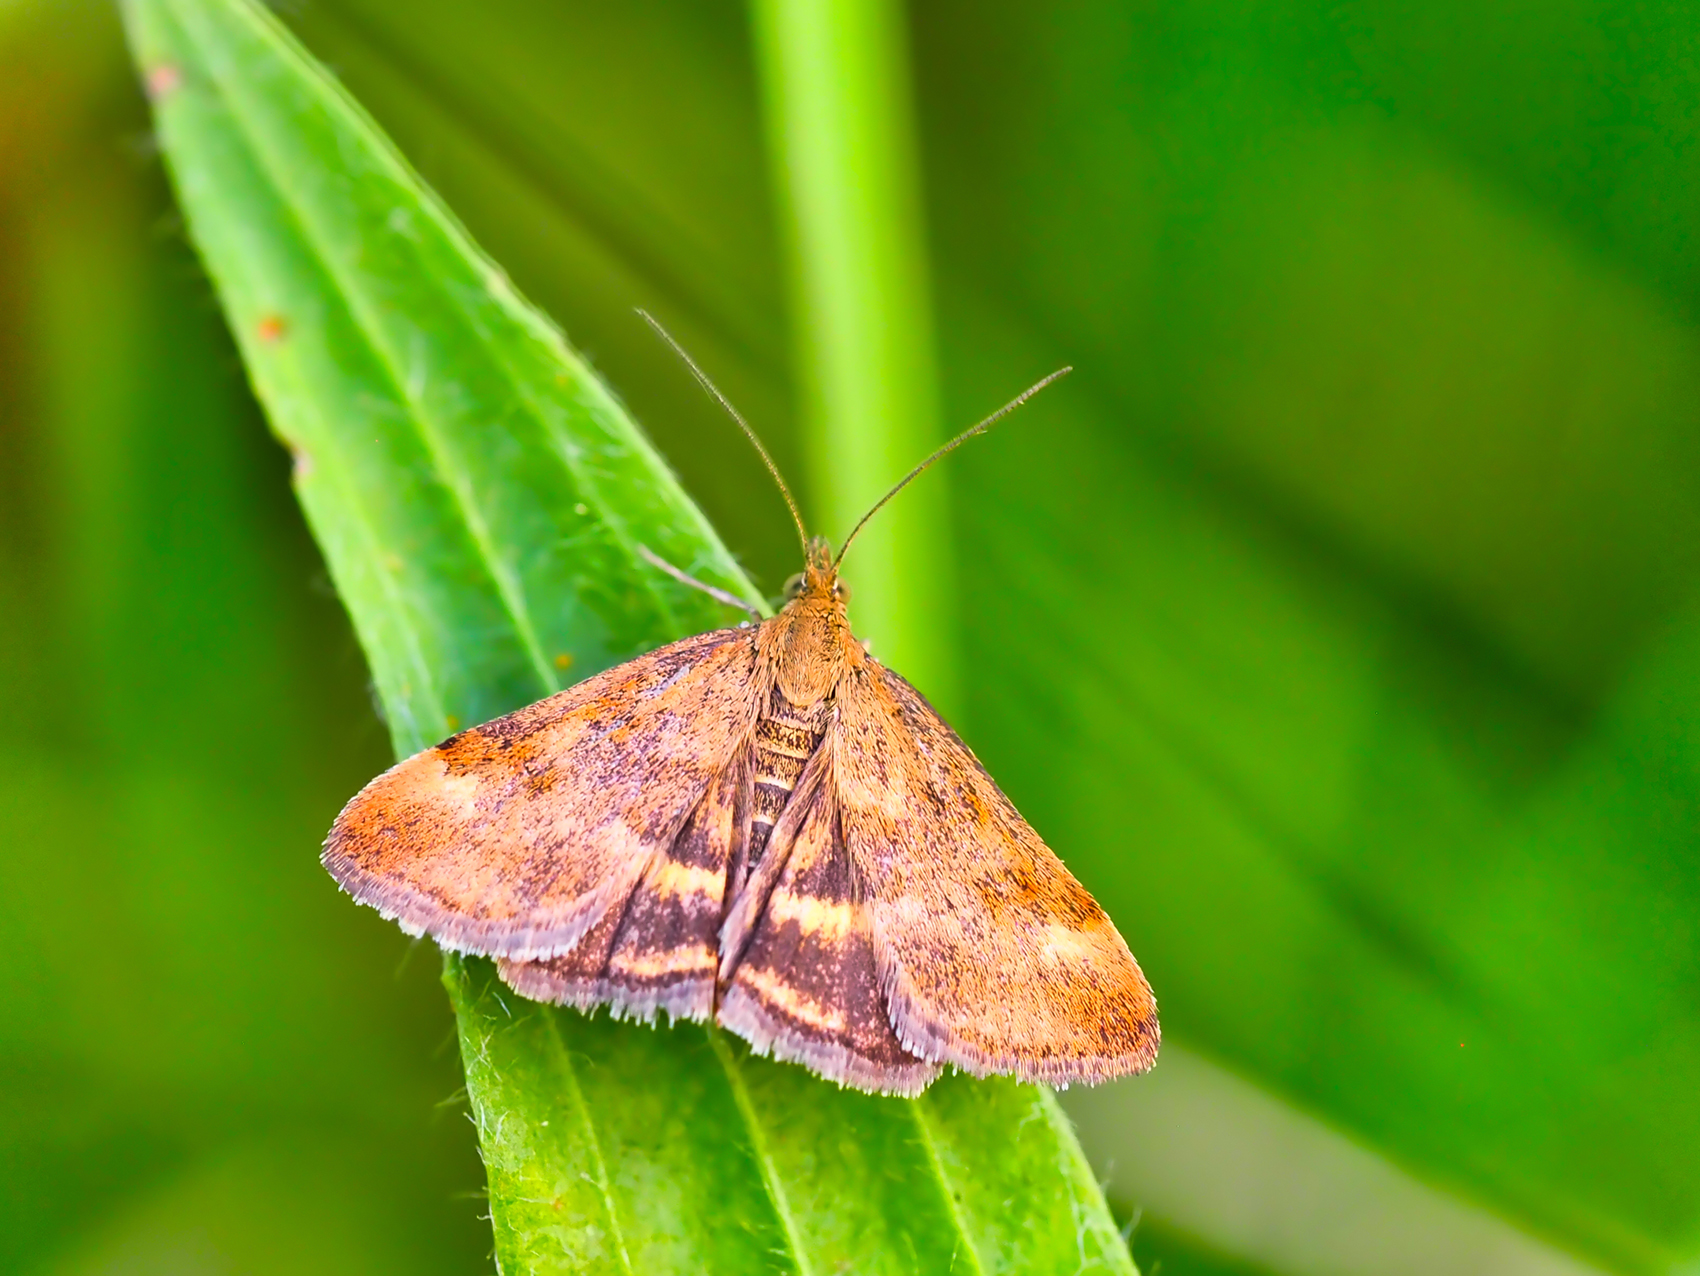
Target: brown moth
pixel 764 827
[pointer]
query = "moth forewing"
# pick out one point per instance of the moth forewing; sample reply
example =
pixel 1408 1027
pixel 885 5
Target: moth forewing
pixel 745 910
pixel 806 986
pixel 992 957
pixel 657 953
pixel 515 838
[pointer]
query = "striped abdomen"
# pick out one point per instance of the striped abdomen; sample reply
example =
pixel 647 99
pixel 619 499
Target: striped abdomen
pixel 786 736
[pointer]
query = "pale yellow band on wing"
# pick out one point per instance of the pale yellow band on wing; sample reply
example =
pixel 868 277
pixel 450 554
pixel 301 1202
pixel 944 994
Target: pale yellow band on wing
pixel 676 961
pixel 824 918
pixel 782 995
pixel 687 879
pixel 1070 945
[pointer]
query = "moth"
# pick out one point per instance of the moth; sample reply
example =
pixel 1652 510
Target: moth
pixel 764 827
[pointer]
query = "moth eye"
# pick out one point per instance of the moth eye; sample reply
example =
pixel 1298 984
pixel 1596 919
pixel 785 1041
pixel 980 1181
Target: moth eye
pixel 841 591
pixel 794 586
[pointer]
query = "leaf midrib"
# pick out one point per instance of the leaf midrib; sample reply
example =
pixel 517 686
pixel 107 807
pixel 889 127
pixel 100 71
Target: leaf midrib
pixel 770 1178
pixel 924 1127
pixel 558 1048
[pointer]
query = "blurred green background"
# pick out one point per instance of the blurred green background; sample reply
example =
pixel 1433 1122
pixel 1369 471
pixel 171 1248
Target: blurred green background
pixel 1335 621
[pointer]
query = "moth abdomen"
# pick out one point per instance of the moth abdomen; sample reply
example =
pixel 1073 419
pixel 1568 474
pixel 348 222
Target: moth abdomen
pixel 786 737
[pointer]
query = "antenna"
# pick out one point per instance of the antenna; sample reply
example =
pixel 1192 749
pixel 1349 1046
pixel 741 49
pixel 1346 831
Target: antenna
pixel 955 443
pixel 714 390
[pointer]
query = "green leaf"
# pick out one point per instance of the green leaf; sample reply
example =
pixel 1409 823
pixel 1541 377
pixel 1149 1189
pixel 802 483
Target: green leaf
pixel 479 496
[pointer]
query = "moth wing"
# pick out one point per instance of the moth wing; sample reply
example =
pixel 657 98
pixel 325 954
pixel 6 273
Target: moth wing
pixel 805 986
pixel 658 952
pixel 993 958
pixel 514 838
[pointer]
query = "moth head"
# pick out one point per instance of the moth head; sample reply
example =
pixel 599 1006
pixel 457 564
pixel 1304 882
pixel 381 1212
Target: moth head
pixel 811 636
pixel 797 585
pixel 819 579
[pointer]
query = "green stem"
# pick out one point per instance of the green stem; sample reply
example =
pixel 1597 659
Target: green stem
pixel 840 126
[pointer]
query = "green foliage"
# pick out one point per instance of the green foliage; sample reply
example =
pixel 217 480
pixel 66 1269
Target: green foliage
pixel 479 498
pixel 1334 620
pixel 207 1066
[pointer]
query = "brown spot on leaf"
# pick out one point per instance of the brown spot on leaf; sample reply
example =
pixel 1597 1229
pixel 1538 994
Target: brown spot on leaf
pixel 271 328
pixel 161 80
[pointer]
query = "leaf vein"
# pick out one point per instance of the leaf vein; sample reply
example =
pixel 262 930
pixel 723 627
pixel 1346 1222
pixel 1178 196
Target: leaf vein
pixel 401 615
pixel 764 1159
pixel 563 1056
pixel 918 1107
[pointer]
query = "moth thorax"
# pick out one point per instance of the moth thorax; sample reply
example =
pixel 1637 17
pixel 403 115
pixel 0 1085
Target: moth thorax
pixel 786 736
pixel 810 658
